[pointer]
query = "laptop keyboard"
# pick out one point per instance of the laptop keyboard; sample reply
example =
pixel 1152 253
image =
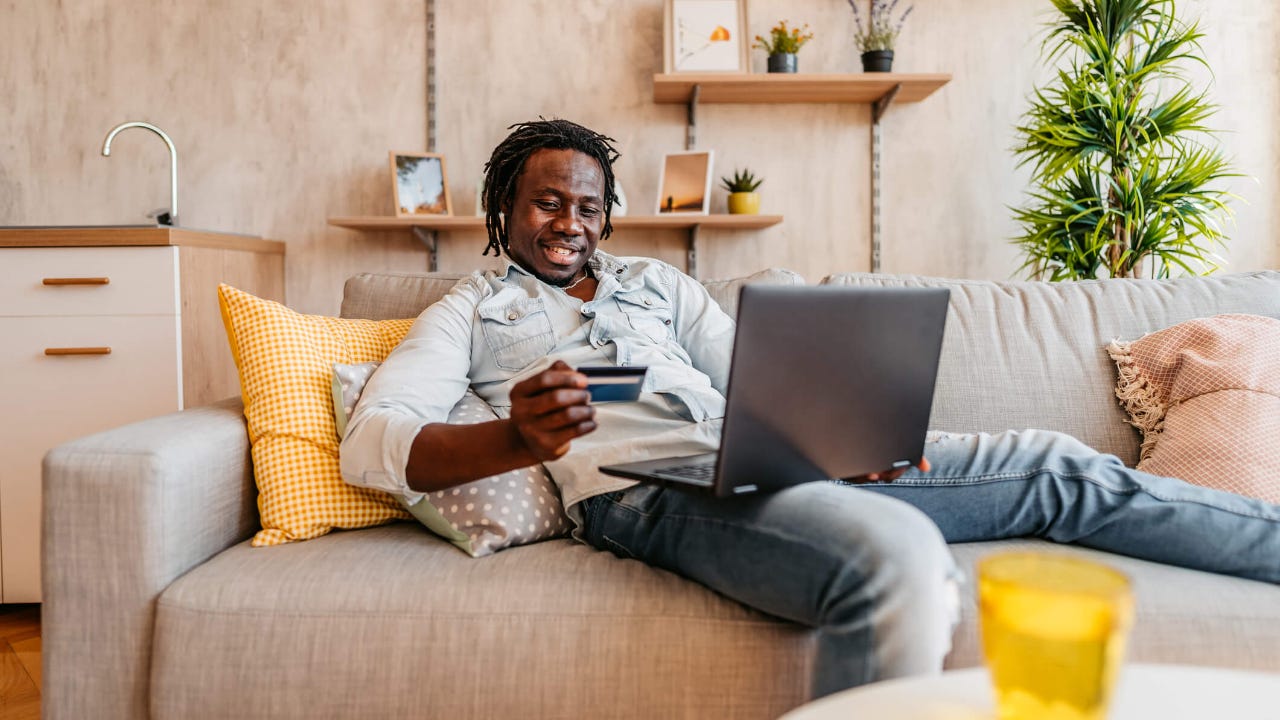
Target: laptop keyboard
pixel 695 473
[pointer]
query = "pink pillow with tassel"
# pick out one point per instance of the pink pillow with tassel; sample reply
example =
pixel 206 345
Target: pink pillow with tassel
pixel 1206 396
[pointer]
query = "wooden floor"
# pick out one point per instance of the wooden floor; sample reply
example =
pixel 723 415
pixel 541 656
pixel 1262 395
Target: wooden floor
pixel 20 662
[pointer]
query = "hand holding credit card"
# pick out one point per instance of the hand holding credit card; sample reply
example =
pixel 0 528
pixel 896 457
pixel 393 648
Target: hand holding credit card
pixel 614 384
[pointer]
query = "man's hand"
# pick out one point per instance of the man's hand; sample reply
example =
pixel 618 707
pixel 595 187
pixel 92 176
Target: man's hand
pixel 889 475
pixel 550 409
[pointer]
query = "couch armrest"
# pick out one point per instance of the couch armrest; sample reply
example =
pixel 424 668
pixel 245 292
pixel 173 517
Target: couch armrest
pixel 125 513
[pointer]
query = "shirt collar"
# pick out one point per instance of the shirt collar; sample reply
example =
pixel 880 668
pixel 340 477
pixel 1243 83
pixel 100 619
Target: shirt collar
pixel 602 264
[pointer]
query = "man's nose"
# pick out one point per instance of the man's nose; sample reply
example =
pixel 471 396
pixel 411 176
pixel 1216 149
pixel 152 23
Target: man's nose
pixel 567 221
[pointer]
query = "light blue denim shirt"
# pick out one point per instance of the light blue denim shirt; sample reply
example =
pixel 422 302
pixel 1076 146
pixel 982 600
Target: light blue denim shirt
pixel 494 330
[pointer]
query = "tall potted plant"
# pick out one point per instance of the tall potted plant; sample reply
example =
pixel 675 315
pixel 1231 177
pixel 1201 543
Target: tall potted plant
pixel 1126 173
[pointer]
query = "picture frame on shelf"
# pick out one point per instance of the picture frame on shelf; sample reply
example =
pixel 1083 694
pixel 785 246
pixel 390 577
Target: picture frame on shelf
pixel 705 36
pixel 684 185
pixel 419 184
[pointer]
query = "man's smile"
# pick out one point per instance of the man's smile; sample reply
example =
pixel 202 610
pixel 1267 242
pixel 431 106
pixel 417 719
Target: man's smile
pixel 558 254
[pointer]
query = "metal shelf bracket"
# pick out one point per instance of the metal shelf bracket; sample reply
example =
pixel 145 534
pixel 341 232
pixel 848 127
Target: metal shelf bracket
pixel 431 75
pixel 878 109
pixel 691 130
pixel 691 264
pixel 429 239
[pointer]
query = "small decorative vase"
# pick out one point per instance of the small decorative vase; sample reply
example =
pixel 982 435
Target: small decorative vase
pixel 784 63
pixel 744 203
pixel 877 61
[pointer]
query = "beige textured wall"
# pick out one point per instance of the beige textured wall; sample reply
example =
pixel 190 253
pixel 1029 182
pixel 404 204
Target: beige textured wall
pixel 283 114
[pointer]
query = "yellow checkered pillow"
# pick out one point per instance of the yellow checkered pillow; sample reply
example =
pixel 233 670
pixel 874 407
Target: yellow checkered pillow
pixel 286 363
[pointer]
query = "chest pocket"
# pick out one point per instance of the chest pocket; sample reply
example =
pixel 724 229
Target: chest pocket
pixel 648 313
pixel 518 333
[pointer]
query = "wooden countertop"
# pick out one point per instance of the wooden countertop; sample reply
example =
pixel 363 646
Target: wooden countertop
pixel 133 235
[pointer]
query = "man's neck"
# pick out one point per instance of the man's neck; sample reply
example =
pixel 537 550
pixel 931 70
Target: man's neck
pixel 583 289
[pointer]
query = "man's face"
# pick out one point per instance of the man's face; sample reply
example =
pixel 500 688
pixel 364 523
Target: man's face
pixel 554 221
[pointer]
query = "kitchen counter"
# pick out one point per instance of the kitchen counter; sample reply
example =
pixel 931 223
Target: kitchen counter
pixel 132 235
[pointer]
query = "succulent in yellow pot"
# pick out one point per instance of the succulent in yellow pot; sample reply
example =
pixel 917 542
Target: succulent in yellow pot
pixel 743 198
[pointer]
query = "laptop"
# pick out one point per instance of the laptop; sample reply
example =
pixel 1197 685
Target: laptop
pixel 825 382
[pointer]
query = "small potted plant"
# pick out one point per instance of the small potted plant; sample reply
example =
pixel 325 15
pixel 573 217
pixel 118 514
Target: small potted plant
pixel 875 38
pixel 743 198
pixel 782 45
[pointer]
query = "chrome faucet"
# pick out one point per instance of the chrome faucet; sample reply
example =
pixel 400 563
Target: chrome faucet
pixel 172 218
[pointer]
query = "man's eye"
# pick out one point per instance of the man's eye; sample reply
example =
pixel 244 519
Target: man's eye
pixel 590 212
pixel 546 205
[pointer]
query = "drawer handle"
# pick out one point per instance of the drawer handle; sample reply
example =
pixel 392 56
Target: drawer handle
pixel 78 281
pixel 78 351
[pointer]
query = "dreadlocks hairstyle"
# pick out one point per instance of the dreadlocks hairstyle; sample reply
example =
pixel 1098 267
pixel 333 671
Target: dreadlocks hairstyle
pixel 507 162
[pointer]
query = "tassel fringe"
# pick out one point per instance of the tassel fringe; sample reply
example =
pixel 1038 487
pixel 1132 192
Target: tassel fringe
pixel 1139 397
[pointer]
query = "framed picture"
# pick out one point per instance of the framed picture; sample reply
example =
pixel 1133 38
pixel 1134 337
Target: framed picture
pixel 685 184
pixel 705 36
pixel 419 184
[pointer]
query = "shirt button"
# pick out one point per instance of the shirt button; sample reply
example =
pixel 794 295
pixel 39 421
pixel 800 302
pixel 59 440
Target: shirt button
pixel 619 271
pixel 666 322
pixel 512 316
pixel 647 301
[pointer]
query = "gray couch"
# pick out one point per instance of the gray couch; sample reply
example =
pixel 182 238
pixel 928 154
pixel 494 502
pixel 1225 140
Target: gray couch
pixel 156 606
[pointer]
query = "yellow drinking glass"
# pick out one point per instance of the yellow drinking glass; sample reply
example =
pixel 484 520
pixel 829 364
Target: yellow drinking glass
pixel 1054 629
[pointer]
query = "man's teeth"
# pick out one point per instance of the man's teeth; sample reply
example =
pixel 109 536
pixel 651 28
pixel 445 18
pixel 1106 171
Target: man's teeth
pixel 562 251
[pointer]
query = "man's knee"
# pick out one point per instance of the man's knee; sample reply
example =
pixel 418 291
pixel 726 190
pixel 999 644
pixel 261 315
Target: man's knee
pixel 898 549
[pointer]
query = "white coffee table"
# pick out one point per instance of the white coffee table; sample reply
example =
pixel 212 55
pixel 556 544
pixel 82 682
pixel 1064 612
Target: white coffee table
pixel 1162 692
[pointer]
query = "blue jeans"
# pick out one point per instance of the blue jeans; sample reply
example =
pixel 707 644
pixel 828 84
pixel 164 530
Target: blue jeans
pixel 867 565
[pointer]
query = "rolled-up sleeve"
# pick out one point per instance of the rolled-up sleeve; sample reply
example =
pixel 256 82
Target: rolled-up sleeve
pixel 418 384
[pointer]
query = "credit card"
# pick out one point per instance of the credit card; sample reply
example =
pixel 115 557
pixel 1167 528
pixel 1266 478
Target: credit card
pixel 614 384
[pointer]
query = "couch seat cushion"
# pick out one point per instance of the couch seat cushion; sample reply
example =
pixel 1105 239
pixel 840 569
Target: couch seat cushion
pixel 1184 617
pixel 554 629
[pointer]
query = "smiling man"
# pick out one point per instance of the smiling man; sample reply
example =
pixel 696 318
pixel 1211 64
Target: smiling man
pixel 863 565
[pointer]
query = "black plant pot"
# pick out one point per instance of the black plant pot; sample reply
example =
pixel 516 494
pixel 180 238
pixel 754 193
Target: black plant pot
pixel 784 63
pixel 877 61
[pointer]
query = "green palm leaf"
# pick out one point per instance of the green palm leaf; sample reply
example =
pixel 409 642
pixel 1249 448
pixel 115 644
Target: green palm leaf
pixel 1125 178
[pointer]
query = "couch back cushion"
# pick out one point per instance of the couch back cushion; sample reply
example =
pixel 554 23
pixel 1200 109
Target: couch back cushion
pixel 387 296
pixel 1033 355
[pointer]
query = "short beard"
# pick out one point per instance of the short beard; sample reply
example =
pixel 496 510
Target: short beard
pixel 553 282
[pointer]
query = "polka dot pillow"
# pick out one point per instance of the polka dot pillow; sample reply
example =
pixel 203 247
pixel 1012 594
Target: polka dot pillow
pixel 482 517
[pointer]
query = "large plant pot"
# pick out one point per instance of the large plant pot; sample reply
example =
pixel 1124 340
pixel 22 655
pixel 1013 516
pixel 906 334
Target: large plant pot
pixel 784 63
pixel 877 61
pixel 744 203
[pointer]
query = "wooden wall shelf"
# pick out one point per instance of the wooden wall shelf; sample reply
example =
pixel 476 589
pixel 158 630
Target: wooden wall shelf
pixel 879 90
pixel 637 222
pixel 426 228
pixel 795 88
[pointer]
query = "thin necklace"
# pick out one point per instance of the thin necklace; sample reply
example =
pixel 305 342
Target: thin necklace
pixel 586 274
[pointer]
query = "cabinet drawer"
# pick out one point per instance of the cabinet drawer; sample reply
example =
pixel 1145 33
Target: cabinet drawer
pixel 69 281
pixel 49 400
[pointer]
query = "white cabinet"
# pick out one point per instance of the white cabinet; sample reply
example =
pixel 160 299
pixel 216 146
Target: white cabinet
pixel 92 338
pixel 120 330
